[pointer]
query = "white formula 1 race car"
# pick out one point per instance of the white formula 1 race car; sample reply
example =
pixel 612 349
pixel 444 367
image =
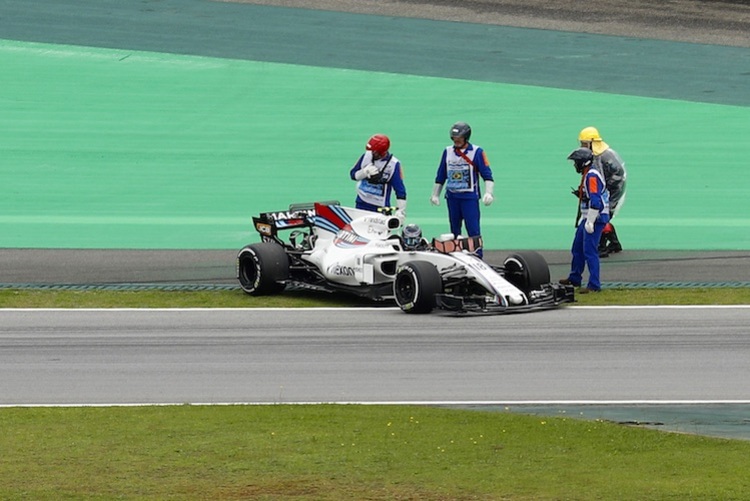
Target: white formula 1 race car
pixel 340 249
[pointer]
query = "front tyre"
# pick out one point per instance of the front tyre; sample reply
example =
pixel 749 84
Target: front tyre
pixel 527 270
pixel 262 268
pixel 415 287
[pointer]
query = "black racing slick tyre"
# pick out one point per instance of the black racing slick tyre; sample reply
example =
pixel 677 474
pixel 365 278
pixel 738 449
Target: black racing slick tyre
pixel 415 287
pixel 262 268
pixel 527 270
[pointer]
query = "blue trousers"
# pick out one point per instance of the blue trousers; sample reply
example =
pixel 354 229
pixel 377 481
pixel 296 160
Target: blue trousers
pixel 585 252
pixel 464 211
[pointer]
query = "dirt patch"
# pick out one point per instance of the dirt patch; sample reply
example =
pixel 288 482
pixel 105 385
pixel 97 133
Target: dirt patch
pixel 697 21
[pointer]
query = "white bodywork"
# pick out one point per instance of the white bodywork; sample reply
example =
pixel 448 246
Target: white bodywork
pixel 368 251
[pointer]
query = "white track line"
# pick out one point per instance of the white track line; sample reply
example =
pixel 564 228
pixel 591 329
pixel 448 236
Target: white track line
pixel 413 402
pixel 383 308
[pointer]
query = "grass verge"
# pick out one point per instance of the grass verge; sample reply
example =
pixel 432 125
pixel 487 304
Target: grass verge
pixel 36 298
pixel 332 452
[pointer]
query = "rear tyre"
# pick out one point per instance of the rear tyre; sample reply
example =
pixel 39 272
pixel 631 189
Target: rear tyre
pixel 527 270
pixel 262 268
pixel 415 287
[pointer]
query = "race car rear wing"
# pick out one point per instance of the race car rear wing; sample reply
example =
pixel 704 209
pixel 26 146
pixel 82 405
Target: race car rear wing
pixel 301 215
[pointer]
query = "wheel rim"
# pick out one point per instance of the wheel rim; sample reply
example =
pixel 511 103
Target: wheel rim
pixel 248 271
pixel 406 289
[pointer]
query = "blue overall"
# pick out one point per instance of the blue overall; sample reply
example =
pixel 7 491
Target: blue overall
pixel 585 247
pixel 462 187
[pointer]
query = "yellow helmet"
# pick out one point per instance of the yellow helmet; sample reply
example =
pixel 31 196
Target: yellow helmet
pixel 589 134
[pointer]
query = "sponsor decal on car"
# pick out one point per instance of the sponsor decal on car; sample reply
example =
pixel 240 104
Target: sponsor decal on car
pixel 341 270
pixel 346 238
pixel 264 228
pixel 291 216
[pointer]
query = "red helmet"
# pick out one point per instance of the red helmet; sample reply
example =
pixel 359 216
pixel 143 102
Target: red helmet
pixel 379 143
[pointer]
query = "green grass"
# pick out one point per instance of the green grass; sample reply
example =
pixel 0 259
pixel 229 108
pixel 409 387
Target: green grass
pixel 36 298
pixel 332 452
pixel 667 296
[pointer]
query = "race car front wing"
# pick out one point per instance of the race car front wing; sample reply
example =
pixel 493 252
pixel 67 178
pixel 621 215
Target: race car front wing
pixel 550 296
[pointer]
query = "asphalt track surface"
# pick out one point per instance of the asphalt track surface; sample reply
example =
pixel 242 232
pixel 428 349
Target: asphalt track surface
pixel 107 268
pixel 691 360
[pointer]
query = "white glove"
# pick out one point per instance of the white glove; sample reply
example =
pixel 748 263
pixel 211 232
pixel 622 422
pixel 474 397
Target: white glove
pixel 366 171
pixel 401 209
pixel 591 216
pixel 435 198
pixel 371 170
pixel 489 187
